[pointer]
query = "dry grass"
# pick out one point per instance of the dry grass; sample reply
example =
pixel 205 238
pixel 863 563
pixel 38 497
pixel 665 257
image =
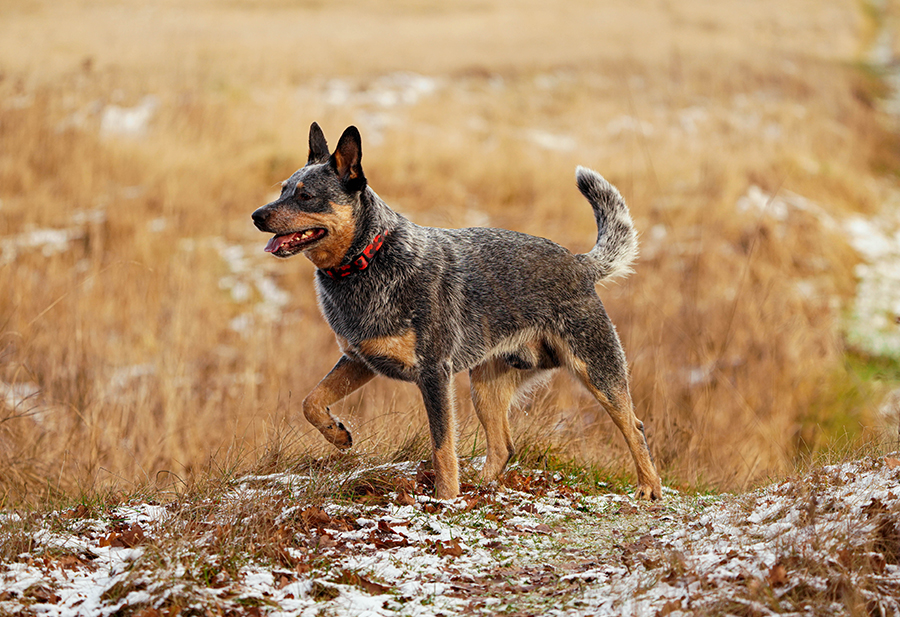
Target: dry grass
pixel 144 350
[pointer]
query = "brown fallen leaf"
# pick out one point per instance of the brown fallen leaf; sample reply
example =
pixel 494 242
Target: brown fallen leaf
pixel 314 516
pixel 133 536
pixel 72 562
pixel 384 526
pixel 777 575
pixel 79 511
pixel 284 579
pixel 405 499
pixel 371 587
pixel 451 548
pixel 424 478
pixel 382 539
pixel 669 607
pixel 471 502
pixel 325 541
pixel 405 485
pixel 42 594
pixel 124 537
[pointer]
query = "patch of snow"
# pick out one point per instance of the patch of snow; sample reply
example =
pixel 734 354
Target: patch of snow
pixel 554 142
pixel 121 121
pixel 874 323
pixel 157 225
pixel 247 282
pixel 782 205
pixel 553 551
pixel 386 91
pixel 49 241
pixel 623 124
pixel 18 395
pixel 690 119
pixel 125 376
pixel 875 318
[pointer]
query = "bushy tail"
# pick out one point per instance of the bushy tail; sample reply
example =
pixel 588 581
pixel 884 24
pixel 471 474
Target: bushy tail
pixel 617 245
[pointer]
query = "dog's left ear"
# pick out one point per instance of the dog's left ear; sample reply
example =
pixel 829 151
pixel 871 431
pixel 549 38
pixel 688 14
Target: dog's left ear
pixel 318 147
pixel 346 160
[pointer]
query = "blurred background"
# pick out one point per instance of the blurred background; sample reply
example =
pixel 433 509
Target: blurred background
pixel 145 337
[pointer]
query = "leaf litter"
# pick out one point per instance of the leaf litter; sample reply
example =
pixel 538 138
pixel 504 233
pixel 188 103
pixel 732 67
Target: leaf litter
pixel 826 543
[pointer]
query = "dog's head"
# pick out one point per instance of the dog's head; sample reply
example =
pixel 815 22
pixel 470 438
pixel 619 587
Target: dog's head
pixel 315 213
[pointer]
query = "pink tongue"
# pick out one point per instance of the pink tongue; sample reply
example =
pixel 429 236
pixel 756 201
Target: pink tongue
pixel 278 241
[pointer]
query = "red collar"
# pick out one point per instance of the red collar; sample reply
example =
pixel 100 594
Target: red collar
pixel 360 262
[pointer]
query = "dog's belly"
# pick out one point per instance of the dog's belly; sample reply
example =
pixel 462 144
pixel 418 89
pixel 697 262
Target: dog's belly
pixel 527 349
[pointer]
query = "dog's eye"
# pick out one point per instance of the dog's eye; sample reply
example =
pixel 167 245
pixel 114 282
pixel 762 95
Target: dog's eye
pixel 303 196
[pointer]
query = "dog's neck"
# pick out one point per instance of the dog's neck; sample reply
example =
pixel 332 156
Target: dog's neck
pixel 374 222
pixel 359 262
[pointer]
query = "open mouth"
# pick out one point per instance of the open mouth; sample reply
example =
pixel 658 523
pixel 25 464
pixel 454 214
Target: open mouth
pixel 288 244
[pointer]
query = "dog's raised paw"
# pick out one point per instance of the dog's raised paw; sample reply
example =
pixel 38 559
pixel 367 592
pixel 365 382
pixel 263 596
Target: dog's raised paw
pixel 338 435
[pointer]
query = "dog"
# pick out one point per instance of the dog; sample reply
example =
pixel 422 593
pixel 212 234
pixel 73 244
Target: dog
pixel 420 304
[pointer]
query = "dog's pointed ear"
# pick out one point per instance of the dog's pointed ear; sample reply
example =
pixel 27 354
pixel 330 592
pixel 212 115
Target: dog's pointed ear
pixel 318 147
pixel 346 160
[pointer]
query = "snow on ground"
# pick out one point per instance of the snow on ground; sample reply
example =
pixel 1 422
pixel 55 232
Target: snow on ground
pixel 872 320
pixel 826 543
pixel 876 308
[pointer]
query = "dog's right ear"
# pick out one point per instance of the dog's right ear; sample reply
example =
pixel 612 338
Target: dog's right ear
pixel 318 147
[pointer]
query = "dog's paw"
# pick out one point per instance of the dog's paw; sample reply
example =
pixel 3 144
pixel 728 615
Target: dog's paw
pixel 338 434
pixel 489 473
pixel 649 492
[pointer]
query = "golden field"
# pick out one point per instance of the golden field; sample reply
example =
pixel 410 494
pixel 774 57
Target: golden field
pixel 146 338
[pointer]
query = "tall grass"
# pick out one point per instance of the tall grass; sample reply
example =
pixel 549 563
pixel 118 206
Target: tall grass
pixel 143 346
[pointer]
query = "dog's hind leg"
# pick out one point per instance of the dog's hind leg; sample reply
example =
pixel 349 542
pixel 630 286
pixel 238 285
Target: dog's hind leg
pixel 440 404
pixel 620 408
pixel 346 376
pixel 494 385
pixel 598 361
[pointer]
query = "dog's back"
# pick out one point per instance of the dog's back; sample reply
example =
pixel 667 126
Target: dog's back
pixel 491 286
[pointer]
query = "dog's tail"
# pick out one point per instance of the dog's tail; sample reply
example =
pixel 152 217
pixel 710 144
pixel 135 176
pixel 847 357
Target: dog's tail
pixel 617 245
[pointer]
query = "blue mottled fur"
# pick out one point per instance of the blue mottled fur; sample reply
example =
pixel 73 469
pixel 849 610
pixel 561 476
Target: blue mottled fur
pixel 505 306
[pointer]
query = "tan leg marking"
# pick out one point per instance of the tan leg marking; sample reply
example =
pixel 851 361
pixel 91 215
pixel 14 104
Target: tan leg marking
pixel 400 348
pixel 440 403
pixel 346 376
pixel 446 464
pixel 343 344
pixel 494 385
pixel 621 410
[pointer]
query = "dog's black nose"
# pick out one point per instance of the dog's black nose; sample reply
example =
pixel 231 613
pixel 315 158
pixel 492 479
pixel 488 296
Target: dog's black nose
pixel 259 219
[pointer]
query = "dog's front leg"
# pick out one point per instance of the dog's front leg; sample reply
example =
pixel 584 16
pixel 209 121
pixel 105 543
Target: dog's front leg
pixel 346 376
pixel 440 404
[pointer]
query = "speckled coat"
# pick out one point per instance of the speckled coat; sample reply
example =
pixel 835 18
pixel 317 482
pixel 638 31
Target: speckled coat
pixel 506 306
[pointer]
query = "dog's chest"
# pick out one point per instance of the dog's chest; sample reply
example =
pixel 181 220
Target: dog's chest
pixel 393 356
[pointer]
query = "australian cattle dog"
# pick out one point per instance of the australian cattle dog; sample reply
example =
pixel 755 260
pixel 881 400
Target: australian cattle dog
pixel 421 303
